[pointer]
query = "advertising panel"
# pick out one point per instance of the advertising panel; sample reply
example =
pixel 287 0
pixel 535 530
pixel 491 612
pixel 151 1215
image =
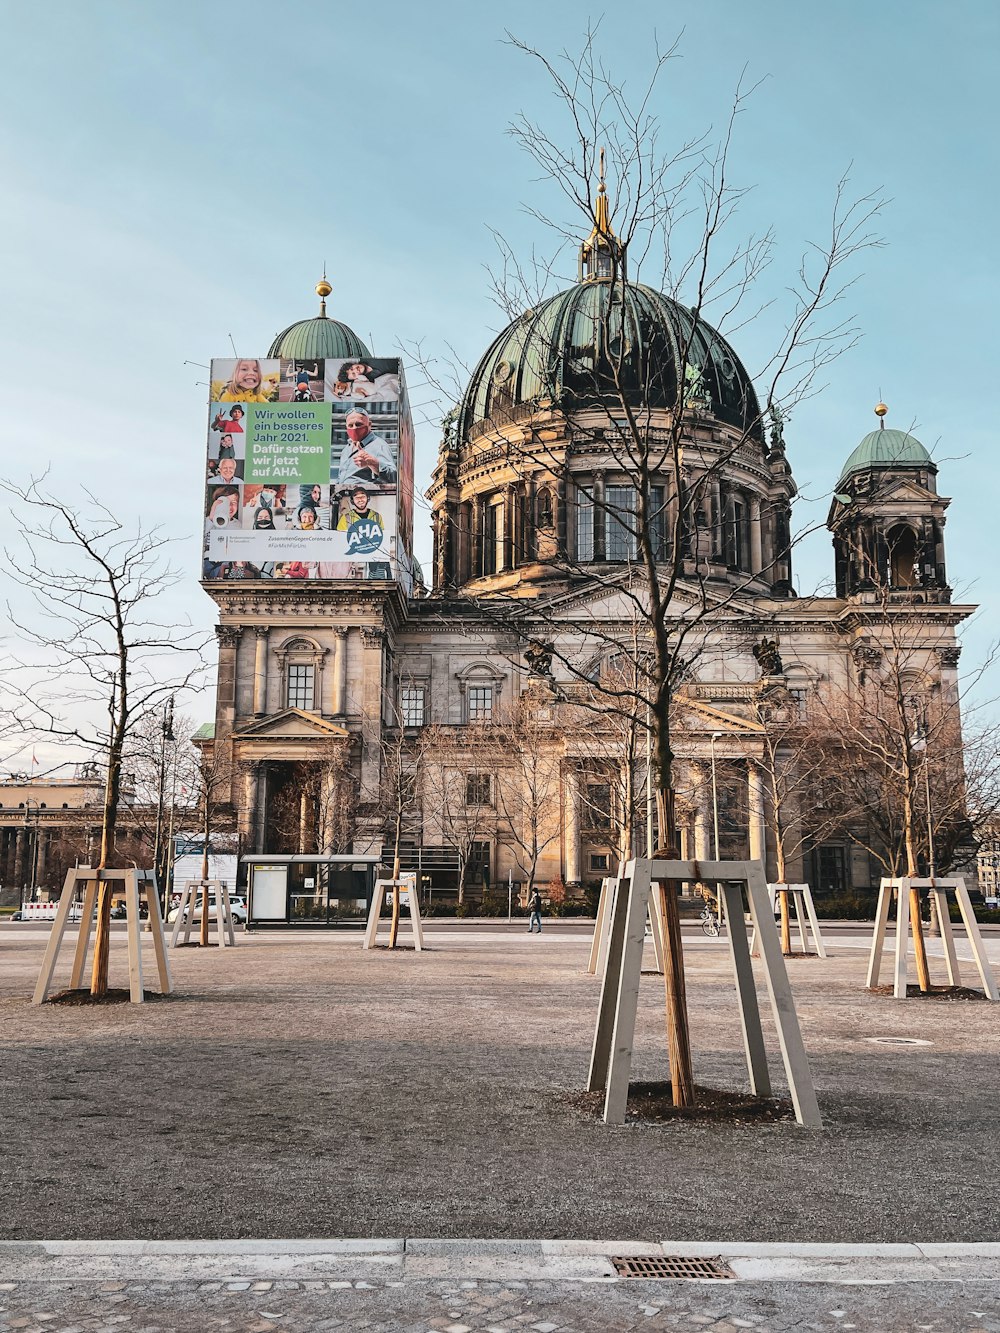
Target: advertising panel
pixel 309 470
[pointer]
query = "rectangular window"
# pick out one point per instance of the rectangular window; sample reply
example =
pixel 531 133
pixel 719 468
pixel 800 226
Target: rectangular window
pixel 478 789
pixel 658 522
pixel 480 703
pixel 300 687
pixel 599 861
pixel 411 705
pixel 597 807
pixel 620 525
pixel 584 527
pixel 493 533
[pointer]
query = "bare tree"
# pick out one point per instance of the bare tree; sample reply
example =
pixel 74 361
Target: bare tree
pixel 645 413
pixel 793 750
pixel 529 778
pixel 402 759
pixel 458 791
pixel 96 659
pixel 897 721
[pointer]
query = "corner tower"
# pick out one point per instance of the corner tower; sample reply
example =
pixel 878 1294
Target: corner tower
pixel 888 520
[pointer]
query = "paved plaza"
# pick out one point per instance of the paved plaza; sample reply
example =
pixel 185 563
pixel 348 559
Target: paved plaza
pixel 297 1087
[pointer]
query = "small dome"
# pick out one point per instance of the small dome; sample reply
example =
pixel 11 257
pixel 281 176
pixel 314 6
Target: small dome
pixel 320 337
pixel 557 352
pixel 886 449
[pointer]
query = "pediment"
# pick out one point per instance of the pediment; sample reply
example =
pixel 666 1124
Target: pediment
pixel 700 716
pixel 618 600
pixel 292 724
pixel 906 491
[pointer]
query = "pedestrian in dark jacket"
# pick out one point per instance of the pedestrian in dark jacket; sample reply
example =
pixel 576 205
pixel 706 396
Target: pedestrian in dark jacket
pixel 534 912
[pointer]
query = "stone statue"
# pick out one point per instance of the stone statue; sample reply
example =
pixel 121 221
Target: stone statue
pixel 695 390
pixel 539 658
pixel 777 428
pixel 768 658
pixel 448 423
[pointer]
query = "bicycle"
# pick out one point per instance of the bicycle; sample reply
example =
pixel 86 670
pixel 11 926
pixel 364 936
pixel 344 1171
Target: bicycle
pixel 711 921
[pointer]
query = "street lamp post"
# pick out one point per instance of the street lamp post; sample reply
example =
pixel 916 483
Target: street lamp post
pixel 166 734
pixel 715 796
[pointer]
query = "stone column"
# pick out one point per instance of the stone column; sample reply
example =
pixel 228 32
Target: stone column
pixel 260 671
pixel 599 518
pixel 756 548
pixel 249 825
pixel 340 673
pixel 303 822
pixel 327 808
pixel 228 637
pixel 371 708
pixel 20 858
pixel 571 827
pixel 43 856
pixel 755 814
pixel 703 829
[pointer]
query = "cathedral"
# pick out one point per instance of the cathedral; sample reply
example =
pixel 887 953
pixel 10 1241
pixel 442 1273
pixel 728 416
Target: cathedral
pixel 455 723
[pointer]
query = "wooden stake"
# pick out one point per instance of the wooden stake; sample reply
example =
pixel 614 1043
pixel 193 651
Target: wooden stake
pixel 678 1041
pixel 919 946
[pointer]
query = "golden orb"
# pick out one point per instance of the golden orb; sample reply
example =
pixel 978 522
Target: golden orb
pixel 323 288
pixel 880 409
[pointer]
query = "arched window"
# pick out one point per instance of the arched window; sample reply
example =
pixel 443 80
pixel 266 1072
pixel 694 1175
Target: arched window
pixel 902 543
pixel 301 663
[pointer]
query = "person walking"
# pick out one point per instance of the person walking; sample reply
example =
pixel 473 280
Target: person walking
pixel 534 912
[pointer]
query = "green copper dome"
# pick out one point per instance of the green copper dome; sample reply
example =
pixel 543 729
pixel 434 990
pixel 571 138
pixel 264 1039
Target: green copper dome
pixel 886 449
pixel 556 353
pixel 316 338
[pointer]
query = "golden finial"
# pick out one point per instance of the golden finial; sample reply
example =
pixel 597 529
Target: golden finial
pixel 323 290
pixel 596 250
pixel 880 411
pixel 602 214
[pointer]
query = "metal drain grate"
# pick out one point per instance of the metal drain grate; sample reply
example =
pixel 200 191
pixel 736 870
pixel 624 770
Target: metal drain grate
pixel 671 1266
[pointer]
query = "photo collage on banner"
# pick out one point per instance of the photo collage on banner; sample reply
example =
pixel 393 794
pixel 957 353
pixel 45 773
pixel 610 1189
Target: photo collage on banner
pixel 310 471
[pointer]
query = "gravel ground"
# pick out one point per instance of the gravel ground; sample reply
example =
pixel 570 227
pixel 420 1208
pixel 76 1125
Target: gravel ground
pixel 301 1087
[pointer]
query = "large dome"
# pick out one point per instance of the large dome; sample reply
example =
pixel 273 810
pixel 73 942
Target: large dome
pixel 317 338
pixel 557 352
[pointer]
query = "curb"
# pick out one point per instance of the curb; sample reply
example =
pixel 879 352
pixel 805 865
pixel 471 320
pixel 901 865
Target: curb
pixel 420 1259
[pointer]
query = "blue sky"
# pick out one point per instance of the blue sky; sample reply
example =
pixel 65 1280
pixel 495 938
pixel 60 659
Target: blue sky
pixel 178 172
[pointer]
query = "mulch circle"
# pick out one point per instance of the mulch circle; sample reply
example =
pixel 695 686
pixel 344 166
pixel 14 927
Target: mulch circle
pixel 113 995
pixel 935 992
pixel 653 1103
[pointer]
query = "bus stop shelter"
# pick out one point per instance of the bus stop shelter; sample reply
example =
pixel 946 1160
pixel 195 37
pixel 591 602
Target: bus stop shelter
pixel 333 891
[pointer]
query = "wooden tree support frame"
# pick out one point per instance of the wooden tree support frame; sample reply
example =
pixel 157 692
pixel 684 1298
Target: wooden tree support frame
pixel 134 882
pixel 799 897
pixel 611 1057
pixel 598 960
pixel 205 889
pixel 409 883
pixel 940 888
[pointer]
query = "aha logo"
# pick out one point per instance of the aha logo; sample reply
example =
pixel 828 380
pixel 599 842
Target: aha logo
pixel 364 537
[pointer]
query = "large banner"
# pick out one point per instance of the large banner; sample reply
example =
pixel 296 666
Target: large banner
pixel 310 471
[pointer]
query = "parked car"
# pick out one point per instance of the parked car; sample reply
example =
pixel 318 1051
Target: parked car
pixel 238 909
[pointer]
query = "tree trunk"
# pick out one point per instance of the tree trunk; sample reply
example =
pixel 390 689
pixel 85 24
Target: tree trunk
pixel 786 920
pixel 916 921
pixel 394 928
pixel 102 933
pixel 678 1037
pixel 203 936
